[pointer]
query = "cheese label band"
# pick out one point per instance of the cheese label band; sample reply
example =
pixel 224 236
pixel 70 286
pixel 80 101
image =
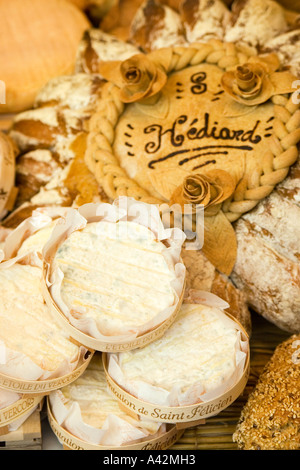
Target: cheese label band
pixel 179 414
pixel 71 442
pixel 17 409
pixel 42 387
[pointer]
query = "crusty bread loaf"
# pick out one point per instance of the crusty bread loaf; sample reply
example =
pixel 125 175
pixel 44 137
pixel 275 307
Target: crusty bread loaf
pixel 202 275
pixel 204 19
pixel 45 134
pixel 254 22
pixel 118 19
pixel 97 46
pixel 286 46
pixel 155 26
pixel 8 191
pixel 73 185
pixel 38 41
pixel 267 268
pixel 60 111
pixel 34 170
pixel 270 419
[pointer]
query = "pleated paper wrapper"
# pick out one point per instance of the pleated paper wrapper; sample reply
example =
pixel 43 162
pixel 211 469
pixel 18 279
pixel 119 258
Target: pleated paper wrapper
pixel 85 330
pixel 116 433
pixel 41 221
pixel 20 374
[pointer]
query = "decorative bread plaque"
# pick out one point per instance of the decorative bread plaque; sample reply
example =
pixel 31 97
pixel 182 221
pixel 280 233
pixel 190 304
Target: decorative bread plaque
pixel 209 125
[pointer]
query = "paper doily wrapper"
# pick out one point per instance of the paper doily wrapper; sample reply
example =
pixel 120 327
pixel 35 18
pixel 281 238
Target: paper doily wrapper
pixel 32 387
pixel 85 331
pixel 41 218
pixel 13 415
pixel 189 410
pixel 71 442
pixel 19 373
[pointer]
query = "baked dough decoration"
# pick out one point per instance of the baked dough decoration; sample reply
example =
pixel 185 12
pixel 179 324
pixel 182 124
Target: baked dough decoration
pixel 211 125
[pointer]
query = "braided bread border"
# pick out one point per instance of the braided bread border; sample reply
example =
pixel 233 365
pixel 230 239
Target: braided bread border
pixel 282 153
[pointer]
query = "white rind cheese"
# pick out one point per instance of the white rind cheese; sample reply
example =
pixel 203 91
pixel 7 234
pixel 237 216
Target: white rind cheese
pixel 96 403
pixel 116 274
pixel 199 348
pixel 27 326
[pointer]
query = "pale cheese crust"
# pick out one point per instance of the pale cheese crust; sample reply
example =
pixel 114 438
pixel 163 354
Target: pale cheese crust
pixel 27 326
pixel 116 274
pixel 96 403
pixel 198 347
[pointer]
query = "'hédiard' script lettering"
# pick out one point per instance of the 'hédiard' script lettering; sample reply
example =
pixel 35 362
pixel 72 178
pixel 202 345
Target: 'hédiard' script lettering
pixel 223 138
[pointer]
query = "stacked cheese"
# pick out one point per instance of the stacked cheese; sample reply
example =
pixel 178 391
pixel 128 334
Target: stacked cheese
pixel 200 356
pixel 86 409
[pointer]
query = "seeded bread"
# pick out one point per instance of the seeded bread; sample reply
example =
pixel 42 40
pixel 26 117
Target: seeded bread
pixel 270 419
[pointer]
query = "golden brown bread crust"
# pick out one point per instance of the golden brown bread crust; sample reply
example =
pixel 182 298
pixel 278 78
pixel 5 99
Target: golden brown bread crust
pixel 34 170
pixel 46 135
pixel 202 275
pixel 18 215
pixel 38 41
pixel 97 46
pixel 155 26
pixel 270 419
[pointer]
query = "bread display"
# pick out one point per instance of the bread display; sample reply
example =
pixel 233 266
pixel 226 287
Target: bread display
pixel 201 275
pixel 204 20
pixel 149 210
pixel 270 418
pixel 43 41
pixel 155 26
pixel 8 190
pixel 270 232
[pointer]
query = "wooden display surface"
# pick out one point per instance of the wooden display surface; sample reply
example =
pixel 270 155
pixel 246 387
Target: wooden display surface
pixel 217 432
pixel 27 437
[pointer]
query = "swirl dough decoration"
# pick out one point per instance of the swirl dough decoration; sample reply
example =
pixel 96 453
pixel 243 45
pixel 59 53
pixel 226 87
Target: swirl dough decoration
pixel 189 111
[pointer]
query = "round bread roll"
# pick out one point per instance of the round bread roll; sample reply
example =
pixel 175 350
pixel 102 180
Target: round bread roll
pixel 38 41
